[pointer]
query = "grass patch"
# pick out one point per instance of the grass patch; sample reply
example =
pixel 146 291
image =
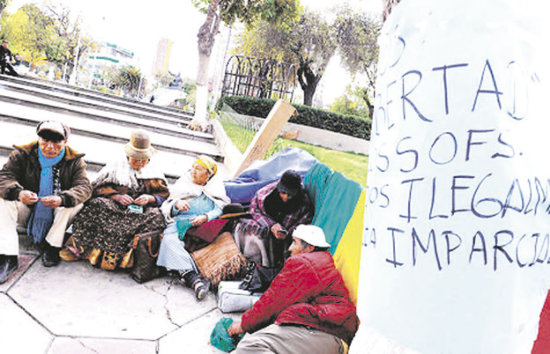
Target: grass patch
pixel 351 165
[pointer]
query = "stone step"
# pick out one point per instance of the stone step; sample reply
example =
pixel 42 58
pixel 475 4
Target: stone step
pixel 98 153
pixel 29 100
pixel 24 115
pixel 92 94
pixel 95 103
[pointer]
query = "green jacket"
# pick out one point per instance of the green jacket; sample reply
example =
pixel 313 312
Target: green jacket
pixel 22 171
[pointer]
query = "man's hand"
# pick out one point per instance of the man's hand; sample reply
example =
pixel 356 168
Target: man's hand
pixel 199 220
pixel 27 197
pixel 52 201
pixel 275 230
pixel 235 328
pixel 182 205
pixel 144 199
pixel 123 199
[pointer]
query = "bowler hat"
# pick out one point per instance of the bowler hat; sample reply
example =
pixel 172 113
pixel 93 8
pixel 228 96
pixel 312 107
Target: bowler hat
pixel 233 210
pixel 139 147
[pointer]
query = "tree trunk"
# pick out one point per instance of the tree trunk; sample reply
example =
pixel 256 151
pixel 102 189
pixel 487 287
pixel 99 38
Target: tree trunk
pixel 206 39
pixel 308 82
pixel 309 92
pixel 371 108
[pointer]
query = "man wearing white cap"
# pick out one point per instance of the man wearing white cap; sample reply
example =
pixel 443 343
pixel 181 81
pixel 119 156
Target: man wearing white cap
pixel 42 185
pixel 307 301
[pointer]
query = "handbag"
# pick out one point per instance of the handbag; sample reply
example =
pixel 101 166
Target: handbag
pixel 198 237
pixel 258 278
pixel 220 260
pixel 146 248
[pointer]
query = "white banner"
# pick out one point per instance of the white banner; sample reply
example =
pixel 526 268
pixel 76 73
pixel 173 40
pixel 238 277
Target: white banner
pixel 456 247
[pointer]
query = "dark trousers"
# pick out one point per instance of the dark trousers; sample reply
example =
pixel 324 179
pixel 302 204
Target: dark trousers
pixel 10 70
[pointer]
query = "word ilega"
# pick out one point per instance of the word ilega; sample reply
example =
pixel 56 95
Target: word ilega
pixel 524 249
pixel 431 198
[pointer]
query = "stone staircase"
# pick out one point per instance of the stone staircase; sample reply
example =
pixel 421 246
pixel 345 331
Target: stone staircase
pixel 100 123
pixel 74 307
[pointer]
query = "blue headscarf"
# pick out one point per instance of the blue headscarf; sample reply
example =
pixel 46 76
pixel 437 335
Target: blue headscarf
pixel 41 218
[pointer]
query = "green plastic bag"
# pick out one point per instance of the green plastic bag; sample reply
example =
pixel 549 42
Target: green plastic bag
pixel 221 339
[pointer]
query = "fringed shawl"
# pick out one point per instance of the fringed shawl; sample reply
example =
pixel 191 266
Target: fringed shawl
pixel 120 172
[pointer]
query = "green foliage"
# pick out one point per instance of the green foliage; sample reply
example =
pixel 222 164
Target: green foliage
pixel 162 79
pixel 127 78
pixel 190 88
pixel 68 39
pixel 311 41
pixel 313 117
pixel 44 33
pixel 246 11
pixel 354 166
pixel 28 32
pixel 357 35
pixel 351 103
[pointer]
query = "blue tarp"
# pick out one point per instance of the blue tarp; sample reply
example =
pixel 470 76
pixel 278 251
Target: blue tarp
pixel 263 172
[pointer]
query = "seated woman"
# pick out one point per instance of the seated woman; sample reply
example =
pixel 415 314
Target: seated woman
pixel 193 201
pixel 126 199
pixel 276 209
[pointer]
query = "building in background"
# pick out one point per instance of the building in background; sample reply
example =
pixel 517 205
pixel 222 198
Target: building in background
pixel 160 65
pixel 105 57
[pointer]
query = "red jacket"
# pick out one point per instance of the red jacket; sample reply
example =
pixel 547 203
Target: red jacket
pixel 542 343
pixel 308 291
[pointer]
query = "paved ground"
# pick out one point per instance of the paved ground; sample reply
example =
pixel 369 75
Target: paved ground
pixel 76 308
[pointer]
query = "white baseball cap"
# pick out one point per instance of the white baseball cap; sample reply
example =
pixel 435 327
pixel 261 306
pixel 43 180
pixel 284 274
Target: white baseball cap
pixel 311 234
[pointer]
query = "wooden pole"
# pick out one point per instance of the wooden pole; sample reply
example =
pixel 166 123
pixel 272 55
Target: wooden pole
pixel 274 123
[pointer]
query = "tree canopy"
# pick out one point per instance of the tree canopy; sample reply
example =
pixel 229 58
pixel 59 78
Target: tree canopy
pixel 49 33
pixel 352 102
pixel 28 32
pixel 279 12
pixel 68 40
pixel 357 35
pixel 311 41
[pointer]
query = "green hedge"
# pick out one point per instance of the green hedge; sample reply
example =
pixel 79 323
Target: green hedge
pixel 313 117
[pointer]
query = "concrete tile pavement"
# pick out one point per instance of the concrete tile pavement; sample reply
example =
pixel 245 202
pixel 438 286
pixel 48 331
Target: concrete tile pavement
pixel 76 308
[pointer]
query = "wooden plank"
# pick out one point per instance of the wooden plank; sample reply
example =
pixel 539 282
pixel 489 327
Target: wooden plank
pixel 269 131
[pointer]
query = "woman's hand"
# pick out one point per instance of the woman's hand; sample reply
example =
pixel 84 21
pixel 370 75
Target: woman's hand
pixel 235 328
pixel 123 199
pixel 144 199
pixel 275 230
pixel 182 205
pixel 199 220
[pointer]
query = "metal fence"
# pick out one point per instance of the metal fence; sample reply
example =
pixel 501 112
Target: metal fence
pixel 263 78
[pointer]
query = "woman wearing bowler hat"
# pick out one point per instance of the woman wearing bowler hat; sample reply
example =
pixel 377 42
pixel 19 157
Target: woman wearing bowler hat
pixel 126 199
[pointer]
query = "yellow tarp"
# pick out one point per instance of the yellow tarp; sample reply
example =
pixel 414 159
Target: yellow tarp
pixel 348 254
